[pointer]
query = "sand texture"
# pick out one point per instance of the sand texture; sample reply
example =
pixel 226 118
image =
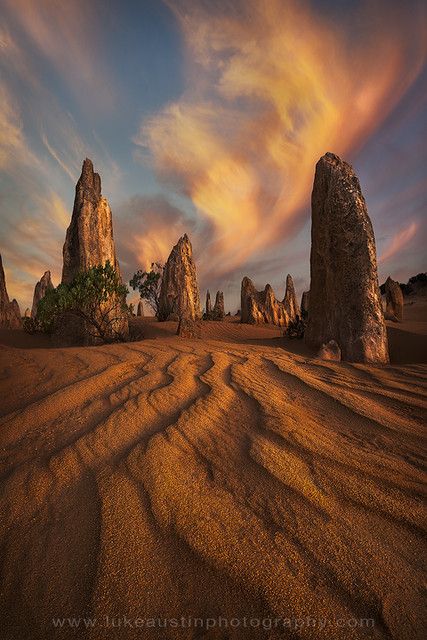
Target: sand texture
pixel 230 476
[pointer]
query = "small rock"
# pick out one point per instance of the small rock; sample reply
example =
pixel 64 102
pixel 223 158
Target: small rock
pixel 330 351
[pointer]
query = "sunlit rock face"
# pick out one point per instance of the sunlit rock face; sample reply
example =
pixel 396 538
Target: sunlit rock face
pixel 179 292
pixel 259 307
pixel 394 300
pixel 8 316
pixel 89 240
pixel 290 300
pixel 40 289
pixel 345 301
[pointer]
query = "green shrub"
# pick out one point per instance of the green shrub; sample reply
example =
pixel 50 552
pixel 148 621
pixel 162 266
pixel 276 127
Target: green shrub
pixel 97 296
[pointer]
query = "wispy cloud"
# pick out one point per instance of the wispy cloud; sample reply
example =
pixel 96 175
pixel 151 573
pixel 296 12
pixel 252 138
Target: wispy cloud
pixel 399 242
pixel 272 86
pixel 66 34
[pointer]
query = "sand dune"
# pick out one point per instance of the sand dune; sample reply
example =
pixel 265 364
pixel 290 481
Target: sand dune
pixel 234 476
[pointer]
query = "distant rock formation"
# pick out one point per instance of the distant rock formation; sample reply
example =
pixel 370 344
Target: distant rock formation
pixel 8 317
pixel 393 300
pixel 188 328
pixel 345 302
pixel 260 307
pixel 179 292
pixel 40 289
pixel 27 313
pixel 89 242
pixel 218 311
pixel 290 300
pixel 140 310
pixel 16 310
pixel 208 307
pixel 305 301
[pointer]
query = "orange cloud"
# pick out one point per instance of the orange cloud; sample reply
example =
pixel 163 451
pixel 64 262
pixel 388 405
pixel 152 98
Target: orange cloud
pixel 399 241
pixel 273 86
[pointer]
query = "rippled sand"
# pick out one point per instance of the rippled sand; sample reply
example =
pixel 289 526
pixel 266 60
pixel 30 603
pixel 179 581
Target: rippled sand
pixel 226 476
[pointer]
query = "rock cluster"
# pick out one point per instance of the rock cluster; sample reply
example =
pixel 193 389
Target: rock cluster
pixel 216 312
pixel 89 242
pixel 345 301
pixel 10 317
pixel 40 289
pixel 393 300
pixel 140 310
pixel 179 292
pixel 259 307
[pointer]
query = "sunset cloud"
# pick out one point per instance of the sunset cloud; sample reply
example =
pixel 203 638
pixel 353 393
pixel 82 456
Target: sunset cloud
pixel 399 242
pixel 273 86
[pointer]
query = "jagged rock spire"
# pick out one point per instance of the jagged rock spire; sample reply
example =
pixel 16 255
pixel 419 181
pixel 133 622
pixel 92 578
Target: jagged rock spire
pixel 89 239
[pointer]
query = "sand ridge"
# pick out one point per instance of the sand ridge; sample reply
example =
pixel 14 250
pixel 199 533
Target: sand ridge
pixel 226 476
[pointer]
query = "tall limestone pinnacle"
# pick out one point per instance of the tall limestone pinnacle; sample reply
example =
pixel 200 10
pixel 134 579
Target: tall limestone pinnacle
pixel 345 301
pixel 179 293
pixel 89 240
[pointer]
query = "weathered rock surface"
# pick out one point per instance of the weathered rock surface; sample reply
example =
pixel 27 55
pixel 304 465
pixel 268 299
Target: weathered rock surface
pixel 140 309
pixel 179 292
pixel 8 316
pixel 290 300
pixel 345 301
pixel 260 307
pixel 40 289
pixel 89 242
pixel 394 301
pixel 218 311
pixel 330 351
pixel 188 328
pixel 305 301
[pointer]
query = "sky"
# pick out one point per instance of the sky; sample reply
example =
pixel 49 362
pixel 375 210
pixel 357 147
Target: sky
pixel 208 117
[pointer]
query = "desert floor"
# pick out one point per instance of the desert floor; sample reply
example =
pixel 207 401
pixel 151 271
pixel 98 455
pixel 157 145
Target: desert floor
pixel 235 476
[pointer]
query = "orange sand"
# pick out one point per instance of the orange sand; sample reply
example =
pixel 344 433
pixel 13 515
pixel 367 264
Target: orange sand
pixel 232 476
